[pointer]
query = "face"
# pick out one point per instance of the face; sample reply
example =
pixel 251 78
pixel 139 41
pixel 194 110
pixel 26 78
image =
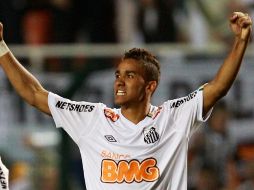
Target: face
pixel 129 85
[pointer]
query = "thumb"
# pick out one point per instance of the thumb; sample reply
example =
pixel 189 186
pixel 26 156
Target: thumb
pixel 246 33
pixel 246 25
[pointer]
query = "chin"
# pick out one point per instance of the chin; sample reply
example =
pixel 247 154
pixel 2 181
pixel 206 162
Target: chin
pixel 119 102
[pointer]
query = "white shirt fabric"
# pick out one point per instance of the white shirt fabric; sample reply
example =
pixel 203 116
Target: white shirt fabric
pixel 118 154
pixel 4 176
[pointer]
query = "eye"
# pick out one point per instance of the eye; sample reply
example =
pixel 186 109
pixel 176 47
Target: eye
pixel 130 76
pixel 117 76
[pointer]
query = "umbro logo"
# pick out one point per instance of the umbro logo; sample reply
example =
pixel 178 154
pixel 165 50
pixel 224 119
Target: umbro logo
pixel 151 136
pixel 110 138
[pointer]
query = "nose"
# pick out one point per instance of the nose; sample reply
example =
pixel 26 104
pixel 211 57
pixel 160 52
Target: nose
pixel 120 81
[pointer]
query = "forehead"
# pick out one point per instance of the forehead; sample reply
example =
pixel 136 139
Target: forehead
pixel 129 65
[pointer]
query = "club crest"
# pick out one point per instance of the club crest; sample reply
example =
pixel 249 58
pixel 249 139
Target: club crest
pixel 151 136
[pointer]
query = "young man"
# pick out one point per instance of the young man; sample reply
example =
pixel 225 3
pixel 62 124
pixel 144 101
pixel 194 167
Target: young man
pixel 138 146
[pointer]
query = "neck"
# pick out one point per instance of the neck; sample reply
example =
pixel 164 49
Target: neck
pixel 135 113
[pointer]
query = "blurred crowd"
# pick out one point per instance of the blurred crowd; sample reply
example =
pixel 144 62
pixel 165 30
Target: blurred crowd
pixel 216 162
pixel 217 159
pixel 119 21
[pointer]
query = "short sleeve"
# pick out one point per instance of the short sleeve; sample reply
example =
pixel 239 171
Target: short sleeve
pixel 4 176
pixel 187 112
pixel 74 117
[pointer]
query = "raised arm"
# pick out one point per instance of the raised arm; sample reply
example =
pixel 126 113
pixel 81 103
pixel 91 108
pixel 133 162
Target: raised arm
pixel 26 85
pixel 241 26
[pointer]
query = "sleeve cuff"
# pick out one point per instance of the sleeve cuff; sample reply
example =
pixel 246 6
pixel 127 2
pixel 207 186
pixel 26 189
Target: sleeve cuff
pixel 51 103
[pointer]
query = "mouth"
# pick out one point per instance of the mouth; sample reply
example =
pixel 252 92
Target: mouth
pixel 120 93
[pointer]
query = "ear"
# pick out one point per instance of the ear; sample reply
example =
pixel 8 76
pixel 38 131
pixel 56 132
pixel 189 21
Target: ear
pixel 151 87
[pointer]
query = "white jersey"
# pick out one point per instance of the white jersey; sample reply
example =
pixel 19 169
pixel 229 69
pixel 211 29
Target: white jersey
pixel 4 176
pixel 118 154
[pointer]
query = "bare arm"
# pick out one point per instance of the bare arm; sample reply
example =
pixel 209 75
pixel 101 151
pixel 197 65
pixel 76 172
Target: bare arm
pixel 26 85
pixel 241 26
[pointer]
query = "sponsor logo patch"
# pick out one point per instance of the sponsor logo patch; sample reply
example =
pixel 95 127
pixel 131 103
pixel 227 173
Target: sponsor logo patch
pixel 74 107
pixel 109 113
pixel 154 112
pixel 129 171
pixel 3 181
pixel 114 155
pixel 180 101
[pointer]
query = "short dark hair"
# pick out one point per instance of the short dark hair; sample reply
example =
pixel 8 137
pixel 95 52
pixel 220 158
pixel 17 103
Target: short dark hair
pixel 149 62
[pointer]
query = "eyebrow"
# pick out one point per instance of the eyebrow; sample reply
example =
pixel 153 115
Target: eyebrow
pixel 131 72
pixel 127 72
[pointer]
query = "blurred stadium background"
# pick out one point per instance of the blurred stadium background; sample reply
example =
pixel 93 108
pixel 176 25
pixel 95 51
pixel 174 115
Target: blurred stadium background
pixel 71 46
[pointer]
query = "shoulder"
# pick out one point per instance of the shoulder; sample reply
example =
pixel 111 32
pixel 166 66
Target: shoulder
pixel 175 103
pixel 77 106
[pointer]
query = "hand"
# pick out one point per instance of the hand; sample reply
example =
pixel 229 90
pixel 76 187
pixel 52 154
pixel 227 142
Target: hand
pixel 240 24
pixel 1 31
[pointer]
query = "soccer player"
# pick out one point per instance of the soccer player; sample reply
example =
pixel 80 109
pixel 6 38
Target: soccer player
pixel 139 146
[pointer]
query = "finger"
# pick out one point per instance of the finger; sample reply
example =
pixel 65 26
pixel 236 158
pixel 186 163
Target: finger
pixel 239 14
pixel 244 21
pixel 236 16
pixel 233 18
pixel 246 24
